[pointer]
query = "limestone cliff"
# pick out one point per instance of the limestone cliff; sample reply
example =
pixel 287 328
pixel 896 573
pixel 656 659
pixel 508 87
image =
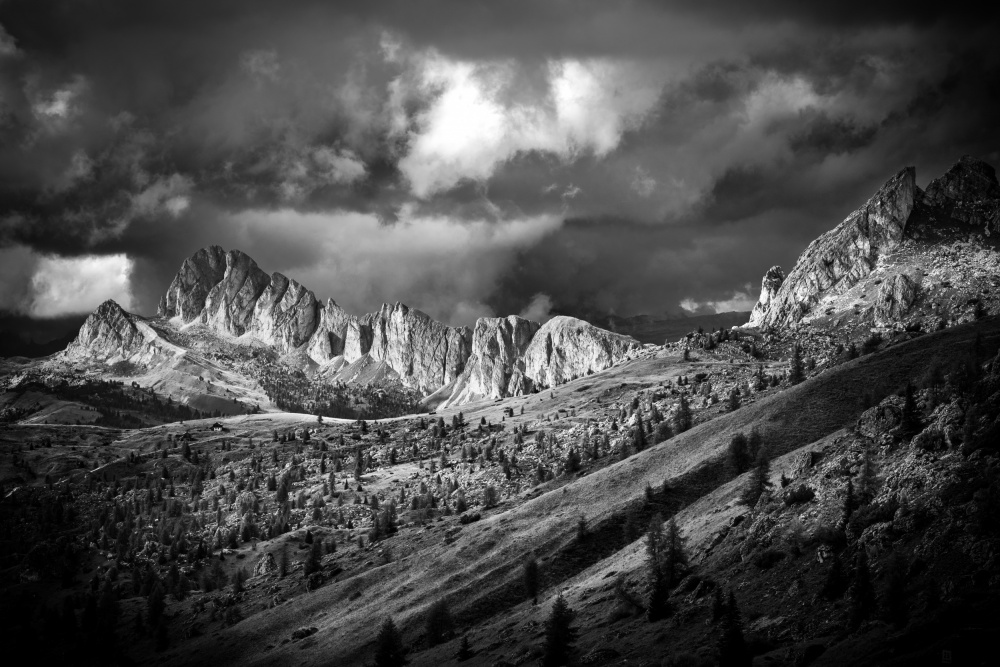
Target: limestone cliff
pixel 110 334
pixel 227 293
pixel 841 257
pixel 904 254
pixel 565 348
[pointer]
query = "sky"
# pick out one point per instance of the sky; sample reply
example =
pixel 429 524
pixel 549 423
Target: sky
pixel 468 158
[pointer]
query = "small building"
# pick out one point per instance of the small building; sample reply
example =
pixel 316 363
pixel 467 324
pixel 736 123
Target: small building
pixel 217 426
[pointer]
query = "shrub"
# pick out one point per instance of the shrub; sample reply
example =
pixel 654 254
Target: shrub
pixel 469 518
pixel 768 558
pixel 799 494
pixel 869 515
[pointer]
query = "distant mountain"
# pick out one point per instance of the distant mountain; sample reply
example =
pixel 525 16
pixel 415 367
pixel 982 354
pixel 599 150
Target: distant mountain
pixel 907 258
pixel 657 329
pixel 227 297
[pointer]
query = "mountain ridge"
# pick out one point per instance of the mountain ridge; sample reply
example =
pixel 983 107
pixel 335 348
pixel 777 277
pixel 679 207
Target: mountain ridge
pixel 878 267
pixel 226 293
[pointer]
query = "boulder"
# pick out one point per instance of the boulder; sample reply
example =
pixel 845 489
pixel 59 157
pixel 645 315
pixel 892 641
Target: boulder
pixel 265 565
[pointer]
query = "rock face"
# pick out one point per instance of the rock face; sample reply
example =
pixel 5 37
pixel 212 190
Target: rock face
pixel 286 314
pixel 838 259
pixel 228 293
pixel 328 340
pixel 111 334
pixel 968 192
pixel 230 305
pixel 769 287
pixel 185 298
pixel 896 296
pixel 426 353
pixel 906 254
pixel 565 348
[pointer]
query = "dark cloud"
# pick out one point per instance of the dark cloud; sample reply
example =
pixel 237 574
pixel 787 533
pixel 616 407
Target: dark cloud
pixel 686 145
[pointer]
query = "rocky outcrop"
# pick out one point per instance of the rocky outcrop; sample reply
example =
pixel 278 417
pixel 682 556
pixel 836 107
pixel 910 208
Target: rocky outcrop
pixel 896 297
pixel 427 354
pixel 769 287
pixel 286 315
pixel 968 192
pixel 495 369
pixel 328 340
pixel 228 293
pixel 837 260
pixel 110 334
pixel 185 298
pixel 229 307
pixel 565 348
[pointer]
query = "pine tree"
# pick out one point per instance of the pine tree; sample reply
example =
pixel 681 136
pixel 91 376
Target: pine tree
pixel 657 605
pixel 464 651
pixel 732 647
pixel 639 436
pixel 682 418
pixel 894 602
pixel 862 593
pixel 559 634
pixel 389 651
pixel 910 421
pixel 530 577
pixel 758 481
pixel 836 581
pixel 738 456
pixel 796 373
pixel 718 605
pixel 733 402
pixel 850 504
pixel 674 557
pixel 867 478
pixel 439 622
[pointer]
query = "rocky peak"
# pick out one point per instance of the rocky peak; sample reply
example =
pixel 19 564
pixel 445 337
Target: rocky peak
pixel 229 307
pixel 969 192
pixel 565 348
pixel 838 259
pixel 285 315
pixel 108 333
pixel 185 298
pixel 768 289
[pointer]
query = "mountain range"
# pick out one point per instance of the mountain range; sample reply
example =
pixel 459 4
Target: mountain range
pixel 817 486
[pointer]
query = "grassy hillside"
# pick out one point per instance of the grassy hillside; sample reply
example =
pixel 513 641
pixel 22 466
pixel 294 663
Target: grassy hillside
pixel 478 569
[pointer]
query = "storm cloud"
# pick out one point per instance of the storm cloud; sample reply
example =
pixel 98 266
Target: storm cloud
pixel 468 158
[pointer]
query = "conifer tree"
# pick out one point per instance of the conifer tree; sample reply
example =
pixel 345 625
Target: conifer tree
pixel 733 402
pixel 862 592
pixel 758 481
pixel 657 606
pixel 738 456
pixel 464 651
pixel 796 372
pixel 389 651
pixel 894 606
pixel 910 421
pixel 732 647
pixel 530 577
pixel 559 634
pixel 639 436
pixel 439 623
pixel 683 418
pixel 836 580
pixel 850 504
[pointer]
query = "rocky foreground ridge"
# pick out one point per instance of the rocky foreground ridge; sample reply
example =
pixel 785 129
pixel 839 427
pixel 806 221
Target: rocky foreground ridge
pixel 906 253
pixel 227 294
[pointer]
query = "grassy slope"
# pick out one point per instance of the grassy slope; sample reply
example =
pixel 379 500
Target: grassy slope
pixel 479 572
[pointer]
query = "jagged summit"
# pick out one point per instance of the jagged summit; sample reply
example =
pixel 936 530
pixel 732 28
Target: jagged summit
pixel 881 262
pixel 228 295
